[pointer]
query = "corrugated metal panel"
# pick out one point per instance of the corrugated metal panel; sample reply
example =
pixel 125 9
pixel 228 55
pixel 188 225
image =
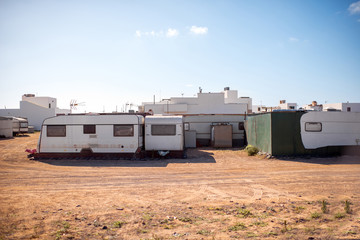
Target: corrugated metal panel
pixel 258 131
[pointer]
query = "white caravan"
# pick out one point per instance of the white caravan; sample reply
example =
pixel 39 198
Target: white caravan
pixel 164 133
pixel 322 129
pixel 87 133
pixel 19 125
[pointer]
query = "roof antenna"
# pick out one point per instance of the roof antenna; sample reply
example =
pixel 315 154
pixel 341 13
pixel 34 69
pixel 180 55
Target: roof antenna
pixel 200 90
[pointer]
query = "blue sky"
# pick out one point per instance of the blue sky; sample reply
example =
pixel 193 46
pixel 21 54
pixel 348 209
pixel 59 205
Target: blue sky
pixel 108 53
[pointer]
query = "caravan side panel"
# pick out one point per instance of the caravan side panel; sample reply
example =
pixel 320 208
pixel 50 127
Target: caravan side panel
pixel 95 133
pixel 164 133
pixel 322 129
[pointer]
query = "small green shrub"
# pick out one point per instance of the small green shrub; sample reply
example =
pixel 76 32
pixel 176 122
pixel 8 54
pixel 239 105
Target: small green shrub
pixel 347 207
pixel 285 229
pixel 251 150
pixel 324 207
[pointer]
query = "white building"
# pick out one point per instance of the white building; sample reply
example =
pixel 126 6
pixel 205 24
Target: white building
pixel 204 111
pixel 314 106
pixel 263 109
pixel 344 107
pixel 35 109
pixel 226 102
pixel 287 106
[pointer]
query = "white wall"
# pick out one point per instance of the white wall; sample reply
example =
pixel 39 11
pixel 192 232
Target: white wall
pixel 35 114
pixel 287 106
pixel 355 107
pixel 41 101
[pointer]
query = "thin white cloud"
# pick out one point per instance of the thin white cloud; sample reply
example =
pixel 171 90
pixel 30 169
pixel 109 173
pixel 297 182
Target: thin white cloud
pixel 152 33
pixel 354 8
pixel 171 32
pixel 188 85
pixel 293 39
pixel 199 30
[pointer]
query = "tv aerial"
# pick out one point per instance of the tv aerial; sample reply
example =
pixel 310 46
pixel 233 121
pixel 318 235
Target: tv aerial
pixel 74 104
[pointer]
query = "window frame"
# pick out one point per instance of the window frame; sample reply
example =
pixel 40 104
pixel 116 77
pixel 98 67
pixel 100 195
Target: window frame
pixel 86 129
pixel 123 125
pixel 309 123
pixel 157 125
pixel 58 135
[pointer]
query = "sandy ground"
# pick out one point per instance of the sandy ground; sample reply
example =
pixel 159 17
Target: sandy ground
pixel 213 194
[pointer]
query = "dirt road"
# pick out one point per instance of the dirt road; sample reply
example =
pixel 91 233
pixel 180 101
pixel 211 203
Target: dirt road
pixel 213 194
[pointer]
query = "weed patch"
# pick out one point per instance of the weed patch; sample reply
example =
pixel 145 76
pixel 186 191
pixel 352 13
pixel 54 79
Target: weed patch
pixel 339 215
pixel 237 227
pixel 204 232
pixel 315 215
pixel 118 224
pixel 244 213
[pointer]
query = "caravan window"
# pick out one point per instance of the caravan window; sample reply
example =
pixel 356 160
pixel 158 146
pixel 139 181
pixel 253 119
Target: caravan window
pixel 163 130
pixel 56 131
pixel 313 127
pixel 123 130
pixel 89 129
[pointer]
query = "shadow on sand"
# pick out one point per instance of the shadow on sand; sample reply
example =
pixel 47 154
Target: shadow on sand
pixel 324 160
pixel 195 156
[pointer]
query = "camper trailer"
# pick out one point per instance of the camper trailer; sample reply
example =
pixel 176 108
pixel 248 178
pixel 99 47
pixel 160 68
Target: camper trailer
pixel 19 125
pixel 6 128
pixel 164 134
pixel 120 135
pixel 323 129
pixel 84 134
